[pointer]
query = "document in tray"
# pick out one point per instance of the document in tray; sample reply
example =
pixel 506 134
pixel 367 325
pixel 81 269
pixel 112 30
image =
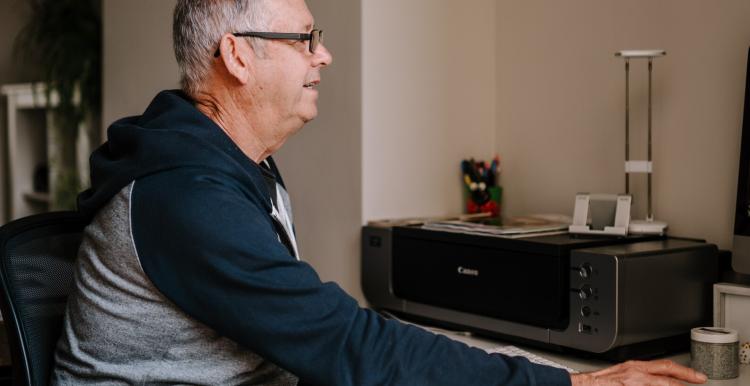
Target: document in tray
pixel 514 227
pixel 513 351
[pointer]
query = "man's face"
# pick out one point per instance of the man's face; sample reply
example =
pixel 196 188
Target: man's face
pixel 287 73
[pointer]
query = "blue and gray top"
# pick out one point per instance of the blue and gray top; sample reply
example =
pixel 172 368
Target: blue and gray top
pixel 189 274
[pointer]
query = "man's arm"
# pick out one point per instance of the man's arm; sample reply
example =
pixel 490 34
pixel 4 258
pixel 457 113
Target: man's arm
pixel 214 253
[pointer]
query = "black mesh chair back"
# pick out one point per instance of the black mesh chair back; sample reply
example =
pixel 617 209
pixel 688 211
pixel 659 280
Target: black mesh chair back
pixel 37 254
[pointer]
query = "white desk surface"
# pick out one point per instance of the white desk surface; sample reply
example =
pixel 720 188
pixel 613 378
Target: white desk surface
pixel 585 365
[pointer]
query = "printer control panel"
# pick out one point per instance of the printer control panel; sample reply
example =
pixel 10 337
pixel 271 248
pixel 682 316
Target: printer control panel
pixel 593 302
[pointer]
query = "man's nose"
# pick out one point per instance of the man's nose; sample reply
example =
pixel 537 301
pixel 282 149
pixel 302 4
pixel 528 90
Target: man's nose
pixel 322 56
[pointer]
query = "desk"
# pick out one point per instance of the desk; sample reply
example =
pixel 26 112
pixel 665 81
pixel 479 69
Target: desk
pixel 585 365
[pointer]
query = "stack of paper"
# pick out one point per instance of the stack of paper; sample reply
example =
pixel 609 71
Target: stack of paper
pixel 512 228
pixel 513 351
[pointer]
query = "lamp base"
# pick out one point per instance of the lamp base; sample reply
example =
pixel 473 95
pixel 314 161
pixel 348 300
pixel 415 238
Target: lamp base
pixel 646 227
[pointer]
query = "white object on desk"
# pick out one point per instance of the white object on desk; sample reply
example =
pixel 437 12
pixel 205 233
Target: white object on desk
pixel 513 351
pixel 603 202
pixel 732 308
pixel 745 354
pixel 714 351
pixel 647 226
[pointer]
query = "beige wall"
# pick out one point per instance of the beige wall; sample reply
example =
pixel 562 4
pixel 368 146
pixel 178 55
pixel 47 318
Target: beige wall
pixel 321 165
pixel 428 98
pixel 13 14
pixel 138 57
pixel 560 104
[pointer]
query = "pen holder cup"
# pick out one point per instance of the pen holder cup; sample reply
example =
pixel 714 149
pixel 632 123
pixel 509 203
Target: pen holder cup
pixel 714 351
pixel 489 206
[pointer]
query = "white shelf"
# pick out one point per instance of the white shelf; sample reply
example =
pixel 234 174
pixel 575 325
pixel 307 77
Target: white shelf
pixel 27 132
pixel 39 198
pixel 30 142
pixel 28 96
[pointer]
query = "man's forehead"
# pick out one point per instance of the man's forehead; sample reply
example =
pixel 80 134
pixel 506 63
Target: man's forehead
pixel 291 14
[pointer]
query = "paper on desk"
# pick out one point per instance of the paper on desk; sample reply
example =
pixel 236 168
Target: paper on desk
pixel 513 351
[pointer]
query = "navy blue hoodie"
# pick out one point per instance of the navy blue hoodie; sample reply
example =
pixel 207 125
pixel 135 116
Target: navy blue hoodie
pixel 199 215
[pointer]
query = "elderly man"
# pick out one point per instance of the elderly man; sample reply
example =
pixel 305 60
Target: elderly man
pixel 189 272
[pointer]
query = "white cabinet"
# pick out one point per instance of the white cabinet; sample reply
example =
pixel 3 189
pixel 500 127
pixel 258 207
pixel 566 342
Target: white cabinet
pixel 29 139
pixel 26 133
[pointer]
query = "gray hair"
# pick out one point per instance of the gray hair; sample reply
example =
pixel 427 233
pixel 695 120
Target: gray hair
pixel 198 26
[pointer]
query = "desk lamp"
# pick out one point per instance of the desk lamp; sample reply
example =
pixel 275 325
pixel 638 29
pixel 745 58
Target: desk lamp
pixel 649 225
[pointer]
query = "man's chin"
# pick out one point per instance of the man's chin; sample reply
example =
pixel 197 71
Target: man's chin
pixel 310 115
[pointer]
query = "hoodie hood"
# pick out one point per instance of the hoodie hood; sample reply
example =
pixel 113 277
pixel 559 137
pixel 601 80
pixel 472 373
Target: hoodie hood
pixel 170 134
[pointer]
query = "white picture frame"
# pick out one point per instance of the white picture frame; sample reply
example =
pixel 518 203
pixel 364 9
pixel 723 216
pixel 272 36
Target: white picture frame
pixel 732 308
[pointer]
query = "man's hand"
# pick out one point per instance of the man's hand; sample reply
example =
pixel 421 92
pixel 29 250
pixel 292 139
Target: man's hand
pixel 657 373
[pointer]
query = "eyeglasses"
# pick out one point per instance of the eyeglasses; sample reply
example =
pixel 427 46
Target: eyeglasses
pixel 315 37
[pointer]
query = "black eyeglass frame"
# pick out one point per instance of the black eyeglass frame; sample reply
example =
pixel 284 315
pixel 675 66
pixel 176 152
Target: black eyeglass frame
pixel 282 36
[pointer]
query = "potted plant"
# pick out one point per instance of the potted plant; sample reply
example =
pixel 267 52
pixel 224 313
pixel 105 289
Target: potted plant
pixel 63 40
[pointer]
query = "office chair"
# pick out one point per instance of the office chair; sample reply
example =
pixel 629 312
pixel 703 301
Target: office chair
pixel 37 255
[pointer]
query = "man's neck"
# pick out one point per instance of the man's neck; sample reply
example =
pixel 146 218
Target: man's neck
pixel 228 114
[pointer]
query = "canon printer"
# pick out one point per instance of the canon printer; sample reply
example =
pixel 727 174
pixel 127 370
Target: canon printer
pixel 615 298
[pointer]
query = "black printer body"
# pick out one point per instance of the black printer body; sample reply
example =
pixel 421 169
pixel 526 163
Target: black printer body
pixel 617 298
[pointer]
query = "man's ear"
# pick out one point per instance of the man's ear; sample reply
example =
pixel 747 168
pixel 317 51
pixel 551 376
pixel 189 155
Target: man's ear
pixel 237 57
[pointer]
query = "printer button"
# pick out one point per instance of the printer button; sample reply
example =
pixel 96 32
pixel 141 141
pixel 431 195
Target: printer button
pixel 585 270
pixel 585 292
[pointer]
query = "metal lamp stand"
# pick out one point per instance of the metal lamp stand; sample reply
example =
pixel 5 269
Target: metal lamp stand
pixel 649 225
